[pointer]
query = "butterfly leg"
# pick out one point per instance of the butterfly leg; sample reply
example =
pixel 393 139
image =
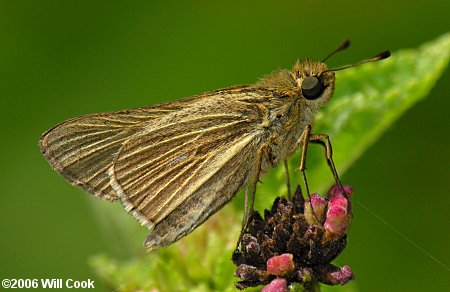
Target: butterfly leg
pixel 321 139
pixel 245 219
pixel 324 140
pixel 303 142
pixel 288 181
pixel 250 196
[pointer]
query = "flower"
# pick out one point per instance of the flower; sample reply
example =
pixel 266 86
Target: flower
pixel 280 265
pixel 277 285
pixel 338 218
pixel 295 242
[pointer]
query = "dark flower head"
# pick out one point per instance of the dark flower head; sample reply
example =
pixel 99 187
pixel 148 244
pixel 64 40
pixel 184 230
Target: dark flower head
pixel 296 242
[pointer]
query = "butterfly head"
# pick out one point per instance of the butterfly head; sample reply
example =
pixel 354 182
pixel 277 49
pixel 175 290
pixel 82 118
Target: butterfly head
pixel 315 80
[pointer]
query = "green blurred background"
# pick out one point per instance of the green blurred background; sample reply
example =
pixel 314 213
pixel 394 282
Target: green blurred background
pixel 60 59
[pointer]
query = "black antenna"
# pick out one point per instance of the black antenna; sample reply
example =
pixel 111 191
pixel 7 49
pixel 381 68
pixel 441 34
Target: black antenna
pixel 380 56
pixel 345 44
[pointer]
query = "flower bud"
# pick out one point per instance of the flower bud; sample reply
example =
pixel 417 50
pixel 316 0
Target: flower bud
pixel 305 275
pixel 277 285
pixel 338 217
pixel 344 275
pixel 332 275
pixel 251 244
pixel 316 213
pixel 346 191
pixel 281 265
pixel 250 273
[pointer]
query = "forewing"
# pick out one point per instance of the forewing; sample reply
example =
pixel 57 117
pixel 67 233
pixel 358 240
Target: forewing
pixel 183 167
pixel 83 149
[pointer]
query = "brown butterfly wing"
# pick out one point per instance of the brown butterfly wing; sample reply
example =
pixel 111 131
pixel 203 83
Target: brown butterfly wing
pixel 83 149
pixel 186 165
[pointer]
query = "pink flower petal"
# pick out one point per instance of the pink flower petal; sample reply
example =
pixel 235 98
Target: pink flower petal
pixel 338 217
pixel 344 275
pixel 277 285
pixel 319 205
pixel 336 189
pixel 281 265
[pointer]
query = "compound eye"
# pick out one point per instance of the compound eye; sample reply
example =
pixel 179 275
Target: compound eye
pixel 312 87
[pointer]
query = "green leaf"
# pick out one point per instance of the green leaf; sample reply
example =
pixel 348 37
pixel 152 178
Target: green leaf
pixel 367 101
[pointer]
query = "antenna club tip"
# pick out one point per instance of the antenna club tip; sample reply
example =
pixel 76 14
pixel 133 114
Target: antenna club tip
pixel 346 43
pixel 378 57
pixel 384 55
